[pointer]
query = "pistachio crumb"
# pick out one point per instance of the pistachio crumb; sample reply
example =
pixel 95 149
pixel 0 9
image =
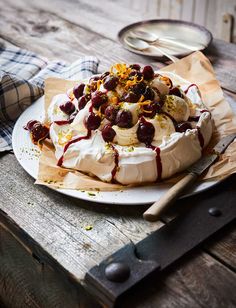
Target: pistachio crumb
pixel 88 228
pixel 91 194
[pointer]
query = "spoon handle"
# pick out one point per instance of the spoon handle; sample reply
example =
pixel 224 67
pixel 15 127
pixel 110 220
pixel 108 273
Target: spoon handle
pixel 172 58
pixel 173 42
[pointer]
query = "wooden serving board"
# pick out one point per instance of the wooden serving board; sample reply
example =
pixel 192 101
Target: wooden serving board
pixel 68 30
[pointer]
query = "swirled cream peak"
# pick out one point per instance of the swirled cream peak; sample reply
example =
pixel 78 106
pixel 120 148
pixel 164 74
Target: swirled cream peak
pixel 54 112
pixel 177 107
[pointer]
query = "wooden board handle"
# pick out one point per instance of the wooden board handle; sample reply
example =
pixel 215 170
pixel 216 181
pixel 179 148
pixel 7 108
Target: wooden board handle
pixel 154 212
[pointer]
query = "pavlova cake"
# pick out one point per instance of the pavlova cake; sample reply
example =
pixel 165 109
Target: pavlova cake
pixel 130 125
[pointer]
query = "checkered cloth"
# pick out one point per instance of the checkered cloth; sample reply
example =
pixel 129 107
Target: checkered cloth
pixel 22 75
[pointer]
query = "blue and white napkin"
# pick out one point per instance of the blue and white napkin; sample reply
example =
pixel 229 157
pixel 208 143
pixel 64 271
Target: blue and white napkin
pixel 22 75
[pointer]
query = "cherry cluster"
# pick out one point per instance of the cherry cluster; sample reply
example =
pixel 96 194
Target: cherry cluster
pixel 138 91
pixel 38 131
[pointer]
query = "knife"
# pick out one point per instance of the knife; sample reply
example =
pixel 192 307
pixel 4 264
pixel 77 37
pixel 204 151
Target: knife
pixel 153 213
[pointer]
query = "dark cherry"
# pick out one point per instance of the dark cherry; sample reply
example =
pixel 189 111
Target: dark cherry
pixel 175 91
pixel 145 132
pixel 30 124
pixel 105 75
pixel 67 108
pixel 132 73
pixel 110 82
pixel 139 88
pixel 182 127
pixel 150 110
pixel 95 78
pixel 149 94
pixel 137 74
pixel 82 102
pixel 148 72
pixel 78 90
pixel 110 113
pixel 135 67
pixel 124 118
pixel 108 133
pixel 93 121
pixel 98 99
pixel 103 108
pixel 39 132
pixel 131 97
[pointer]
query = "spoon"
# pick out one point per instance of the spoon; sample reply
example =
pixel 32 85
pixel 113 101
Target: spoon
pixel 142 45
pixel 150 37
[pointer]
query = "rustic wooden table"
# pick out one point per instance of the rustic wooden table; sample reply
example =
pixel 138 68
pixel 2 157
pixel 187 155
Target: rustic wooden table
pixel 44 247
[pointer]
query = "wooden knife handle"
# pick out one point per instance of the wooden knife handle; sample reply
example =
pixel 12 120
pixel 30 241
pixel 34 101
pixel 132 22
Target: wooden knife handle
pixel 153 213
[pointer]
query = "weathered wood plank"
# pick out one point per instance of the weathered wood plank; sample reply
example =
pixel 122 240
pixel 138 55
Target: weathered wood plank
pixel 222 56
pixel 58 223
pixel 187 10
pixel 59 38
pixel 200 11
pixel 27 281
pixel 223 247
pixel 42 283
pixel 96 16
pixel 175 9
pixel 199 282
pixel 153 7
pixel 226 9
pixel 165 8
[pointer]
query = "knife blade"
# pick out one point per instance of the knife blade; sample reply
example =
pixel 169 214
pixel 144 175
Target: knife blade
pixel 206 161
pixel 153 213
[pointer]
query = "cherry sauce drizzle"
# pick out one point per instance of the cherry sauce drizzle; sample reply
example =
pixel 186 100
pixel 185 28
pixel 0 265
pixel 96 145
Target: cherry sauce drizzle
pixel 158 160
pixel 60 161
pixel 116 160
pixel 196 118
pixel 63 122
pixel 191 85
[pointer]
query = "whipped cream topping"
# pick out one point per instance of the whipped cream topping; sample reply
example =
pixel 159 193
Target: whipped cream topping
pixel 54 112
pixel 126 159
pixel 161 87
pixel 177 107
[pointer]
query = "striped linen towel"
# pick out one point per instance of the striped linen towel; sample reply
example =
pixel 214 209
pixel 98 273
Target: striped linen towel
pixel 22 75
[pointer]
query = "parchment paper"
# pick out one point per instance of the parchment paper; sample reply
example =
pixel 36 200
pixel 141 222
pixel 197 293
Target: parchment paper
pixel 195 68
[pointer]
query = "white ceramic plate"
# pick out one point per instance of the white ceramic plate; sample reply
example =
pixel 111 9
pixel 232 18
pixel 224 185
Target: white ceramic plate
pixel 28 156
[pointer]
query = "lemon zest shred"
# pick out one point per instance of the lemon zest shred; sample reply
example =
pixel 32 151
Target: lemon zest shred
pixel 99 82
pixel 166 80
pixel 144 103
pixel 99 112
pixel 114 100
pixel 71 95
